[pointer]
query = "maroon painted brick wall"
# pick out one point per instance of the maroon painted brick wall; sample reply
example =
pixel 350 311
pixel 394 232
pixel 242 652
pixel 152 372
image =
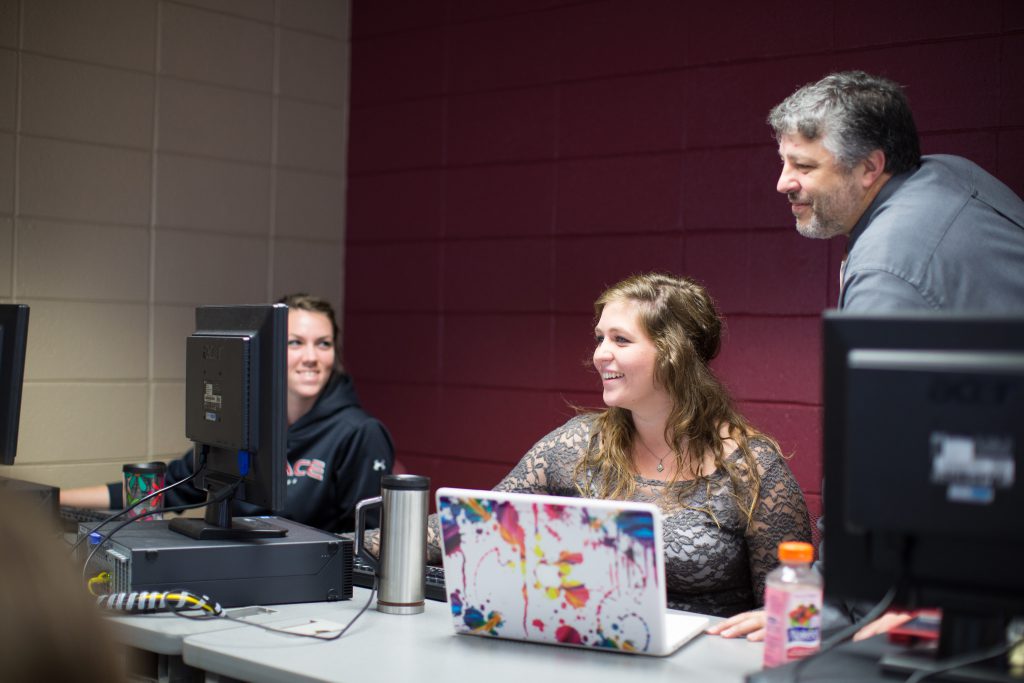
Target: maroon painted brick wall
pixel 510 158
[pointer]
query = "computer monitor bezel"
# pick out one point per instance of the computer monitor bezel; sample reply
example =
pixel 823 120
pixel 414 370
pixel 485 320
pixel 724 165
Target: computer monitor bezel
pixel 262 386
pixel 851 571
pixel 13 347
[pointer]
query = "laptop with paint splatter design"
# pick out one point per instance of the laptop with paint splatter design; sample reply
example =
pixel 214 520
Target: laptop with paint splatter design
pixel 564 571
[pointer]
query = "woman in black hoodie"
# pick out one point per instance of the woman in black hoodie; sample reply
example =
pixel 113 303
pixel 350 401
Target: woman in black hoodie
pixel 337 452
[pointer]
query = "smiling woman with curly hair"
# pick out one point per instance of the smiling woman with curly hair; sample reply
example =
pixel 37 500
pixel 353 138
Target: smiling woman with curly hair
pixel 670 435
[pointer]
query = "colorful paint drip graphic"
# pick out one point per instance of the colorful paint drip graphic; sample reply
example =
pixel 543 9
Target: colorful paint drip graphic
pixel 561 599
pixel 570 636
pixel 474 619
pixel 475 511
pixel 508 524
pixel 637 525
pixel 567 634
pixel 575 592
pixel 613 644
pixel 455 602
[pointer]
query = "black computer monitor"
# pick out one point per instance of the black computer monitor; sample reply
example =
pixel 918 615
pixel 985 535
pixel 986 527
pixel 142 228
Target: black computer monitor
pixel 13 338
pixel 924 467
pixel 235 414
pixel 13 342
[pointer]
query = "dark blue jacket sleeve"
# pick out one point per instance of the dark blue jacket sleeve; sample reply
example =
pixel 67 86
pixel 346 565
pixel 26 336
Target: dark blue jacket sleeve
pixel 185 494
pixel 369 456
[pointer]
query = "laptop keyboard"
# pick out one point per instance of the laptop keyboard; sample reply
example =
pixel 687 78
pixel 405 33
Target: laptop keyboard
pixel 433 584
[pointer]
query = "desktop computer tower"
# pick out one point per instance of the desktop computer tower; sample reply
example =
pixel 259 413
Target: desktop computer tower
pixel 306 565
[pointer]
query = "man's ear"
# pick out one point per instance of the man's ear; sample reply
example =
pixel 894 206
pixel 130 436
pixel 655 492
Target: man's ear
pixel 874 166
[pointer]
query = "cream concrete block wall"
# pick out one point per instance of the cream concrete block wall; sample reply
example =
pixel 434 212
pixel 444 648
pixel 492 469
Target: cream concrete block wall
pixel 9 23
pixel 6 237
pixel 157 155
pixel 8 81
pixel 7 147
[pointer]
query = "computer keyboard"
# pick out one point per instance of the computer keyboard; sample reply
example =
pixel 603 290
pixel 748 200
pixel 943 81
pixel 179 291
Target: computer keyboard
pixel 433 584
pixel 71 517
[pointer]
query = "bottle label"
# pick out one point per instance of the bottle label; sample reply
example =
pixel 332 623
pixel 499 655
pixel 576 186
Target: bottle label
pixel 793 624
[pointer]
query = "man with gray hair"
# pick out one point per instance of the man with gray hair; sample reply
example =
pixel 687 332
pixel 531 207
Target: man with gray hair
pixel 925 233
pixel 933 232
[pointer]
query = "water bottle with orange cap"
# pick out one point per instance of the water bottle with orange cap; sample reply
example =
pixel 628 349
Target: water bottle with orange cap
pixel 792 602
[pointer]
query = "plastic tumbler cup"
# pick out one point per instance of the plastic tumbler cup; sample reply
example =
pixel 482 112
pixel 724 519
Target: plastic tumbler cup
pixel 140 480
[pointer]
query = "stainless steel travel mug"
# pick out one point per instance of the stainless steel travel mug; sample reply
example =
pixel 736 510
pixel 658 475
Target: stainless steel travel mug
pixel 403 541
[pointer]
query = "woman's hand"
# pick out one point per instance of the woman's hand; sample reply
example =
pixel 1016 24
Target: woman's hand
pixel 883 624
pixel 371 542
pixel 749 624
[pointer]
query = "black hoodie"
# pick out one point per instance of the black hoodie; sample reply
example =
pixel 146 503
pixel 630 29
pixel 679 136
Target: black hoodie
pixel 337 454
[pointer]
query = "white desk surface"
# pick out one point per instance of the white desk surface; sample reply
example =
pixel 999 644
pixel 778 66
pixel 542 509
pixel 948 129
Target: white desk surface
pixel 164 633
pixel 383 647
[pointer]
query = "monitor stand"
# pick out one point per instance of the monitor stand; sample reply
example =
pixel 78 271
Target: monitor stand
pixel 219 525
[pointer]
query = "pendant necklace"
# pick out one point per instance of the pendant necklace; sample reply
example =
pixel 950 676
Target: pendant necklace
pixel 661 460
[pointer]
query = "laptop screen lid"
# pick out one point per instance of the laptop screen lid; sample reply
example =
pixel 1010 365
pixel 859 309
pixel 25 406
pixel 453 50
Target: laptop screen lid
pixel 563 571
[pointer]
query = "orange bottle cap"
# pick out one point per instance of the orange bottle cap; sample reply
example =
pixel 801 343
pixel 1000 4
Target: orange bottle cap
pixel 796 551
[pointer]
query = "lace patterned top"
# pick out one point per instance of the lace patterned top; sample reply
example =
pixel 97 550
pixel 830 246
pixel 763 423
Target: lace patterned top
pixel 711 568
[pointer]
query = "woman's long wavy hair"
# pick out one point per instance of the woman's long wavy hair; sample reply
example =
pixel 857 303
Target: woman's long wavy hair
pixel 680 318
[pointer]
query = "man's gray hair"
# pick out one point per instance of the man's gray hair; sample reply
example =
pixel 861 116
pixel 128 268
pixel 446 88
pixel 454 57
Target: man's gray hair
pixel 853 113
